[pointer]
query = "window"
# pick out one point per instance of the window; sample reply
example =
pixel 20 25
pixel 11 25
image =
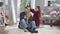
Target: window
pixel 6 2
pixel 24 3
pixel 1 0
pixel 56 2
pixel 52 3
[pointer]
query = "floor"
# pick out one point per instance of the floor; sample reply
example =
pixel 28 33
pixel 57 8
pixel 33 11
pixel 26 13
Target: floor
pixel 44 29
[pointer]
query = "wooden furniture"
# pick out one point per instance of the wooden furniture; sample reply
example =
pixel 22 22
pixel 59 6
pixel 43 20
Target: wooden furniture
pixel 55 22
pixel 50 21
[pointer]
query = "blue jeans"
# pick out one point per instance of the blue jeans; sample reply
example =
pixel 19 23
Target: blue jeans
pixel 29 25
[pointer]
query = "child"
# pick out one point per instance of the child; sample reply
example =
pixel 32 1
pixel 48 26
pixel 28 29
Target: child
pixel 36 16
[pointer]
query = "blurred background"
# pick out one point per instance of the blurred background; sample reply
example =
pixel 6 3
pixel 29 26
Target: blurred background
pixel 11 9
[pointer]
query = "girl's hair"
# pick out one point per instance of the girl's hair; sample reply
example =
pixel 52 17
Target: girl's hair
pixel 38 8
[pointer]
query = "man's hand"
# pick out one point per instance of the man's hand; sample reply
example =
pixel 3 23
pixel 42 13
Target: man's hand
pixel 25 17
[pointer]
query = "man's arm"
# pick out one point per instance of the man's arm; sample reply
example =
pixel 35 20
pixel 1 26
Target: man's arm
pixel 22 15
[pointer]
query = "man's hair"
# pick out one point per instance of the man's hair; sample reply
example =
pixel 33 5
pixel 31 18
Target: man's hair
pixel 28 6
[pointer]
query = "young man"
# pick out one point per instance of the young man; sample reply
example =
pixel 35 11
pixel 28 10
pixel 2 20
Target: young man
pixel 27 21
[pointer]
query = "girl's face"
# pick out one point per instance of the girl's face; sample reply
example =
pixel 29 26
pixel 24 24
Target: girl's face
pixel 36 9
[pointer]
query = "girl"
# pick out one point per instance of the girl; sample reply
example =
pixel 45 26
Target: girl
pixel 36 16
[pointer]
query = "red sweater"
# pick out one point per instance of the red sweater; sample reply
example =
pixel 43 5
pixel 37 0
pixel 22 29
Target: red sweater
pixel 36 14
pixel 36 17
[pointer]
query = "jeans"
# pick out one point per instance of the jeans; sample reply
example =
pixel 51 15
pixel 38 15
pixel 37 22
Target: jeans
pixel 29 25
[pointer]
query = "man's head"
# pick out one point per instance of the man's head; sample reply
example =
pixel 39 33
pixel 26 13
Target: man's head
pixel 27 8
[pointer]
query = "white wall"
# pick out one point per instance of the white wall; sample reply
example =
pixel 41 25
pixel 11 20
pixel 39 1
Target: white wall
pixel 13 11
pixel 33 4
pixel 39 3
pixel 18 10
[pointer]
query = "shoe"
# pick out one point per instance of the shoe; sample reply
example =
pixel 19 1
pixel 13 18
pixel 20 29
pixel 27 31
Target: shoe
pixel 25 30
pixel 33 31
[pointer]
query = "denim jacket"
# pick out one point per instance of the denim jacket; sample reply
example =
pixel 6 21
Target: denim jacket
pixel 22 14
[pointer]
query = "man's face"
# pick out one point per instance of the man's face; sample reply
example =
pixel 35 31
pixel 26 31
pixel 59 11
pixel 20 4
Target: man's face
pixel 28 9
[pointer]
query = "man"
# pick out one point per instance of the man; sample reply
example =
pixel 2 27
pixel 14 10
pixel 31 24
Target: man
pixel 27 22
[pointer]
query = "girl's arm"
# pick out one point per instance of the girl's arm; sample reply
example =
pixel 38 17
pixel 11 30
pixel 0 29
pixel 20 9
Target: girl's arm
pixel 32 10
